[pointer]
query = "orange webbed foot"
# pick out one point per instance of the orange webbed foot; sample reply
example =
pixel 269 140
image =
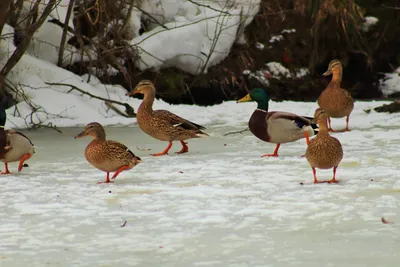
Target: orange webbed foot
pixel 105 182
pixel 165 152
pixel 6 171
pixel 270 155
pixel 107 179
pixel 184 149
pixel 158 154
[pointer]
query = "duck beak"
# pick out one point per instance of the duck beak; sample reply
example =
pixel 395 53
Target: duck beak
pixel 326 73
pixel 82 134
pixel 247 98
pixel 133 92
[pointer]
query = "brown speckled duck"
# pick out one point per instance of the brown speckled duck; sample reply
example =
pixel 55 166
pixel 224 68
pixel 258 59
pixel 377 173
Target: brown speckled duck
pixel 276 126
pixel 106 155
pixel 162 124
pixel 335 101
pixel 14 146
pixel 324 151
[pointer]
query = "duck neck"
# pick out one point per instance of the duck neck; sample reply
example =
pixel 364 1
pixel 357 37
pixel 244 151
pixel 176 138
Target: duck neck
pixel 99 136
pixel 147 102
pixel 323 126
pixel 336 79
pixel 262 104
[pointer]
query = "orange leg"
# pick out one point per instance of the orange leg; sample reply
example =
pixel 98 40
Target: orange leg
pixel 315 176
pixel 22 160
pixel 330 126
pixel 107 180
pixel 184 149
pixel 6 171
pixel 120 169
pixel 164 152
pixel 307 137
pixel 333 181
pixel 347 124
pixel 307 141
pixel 275 154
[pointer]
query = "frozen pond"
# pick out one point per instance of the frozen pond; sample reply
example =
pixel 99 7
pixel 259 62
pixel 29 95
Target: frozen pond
pixel 221 204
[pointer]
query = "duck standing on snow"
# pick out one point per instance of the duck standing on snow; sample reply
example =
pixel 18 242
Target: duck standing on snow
pixel 15 146
pixel 106 155
pixel 335 101
pixel 276 127
pixel 162 124
pixel 324 151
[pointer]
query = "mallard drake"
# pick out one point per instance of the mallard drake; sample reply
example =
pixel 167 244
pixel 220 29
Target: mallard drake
pixel 106 155
pixel 324 151
pixel 15 146
pixel 276 126
pixel 162 124
pixel 335 101
pixel 20 148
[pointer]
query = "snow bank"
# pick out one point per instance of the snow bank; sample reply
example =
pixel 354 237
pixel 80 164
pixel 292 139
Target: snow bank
pixel 390 83
pixel 191 36
pixel 275 70
pixel 369 22
pixel 193 43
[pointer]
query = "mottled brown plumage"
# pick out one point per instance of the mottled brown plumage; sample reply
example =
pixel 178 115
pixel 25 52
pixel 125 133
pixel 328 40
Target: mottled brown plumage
pixel 335 101
pixel 106 155
pixel 162 124
pixel 324 151
pixel 19 148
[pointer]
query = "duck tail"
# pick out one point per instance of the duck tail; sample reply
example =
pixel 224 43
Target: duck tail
pixel 137 159
pixel 313 125
pixel 201 135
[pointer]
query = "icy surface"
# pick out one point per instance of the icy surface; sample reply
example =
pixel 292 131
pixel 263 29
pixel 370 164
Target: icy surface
pixel 221 204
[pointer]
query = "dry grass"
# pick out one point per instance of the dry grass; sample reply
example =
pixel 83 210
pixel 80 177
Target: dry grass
pixel 342 18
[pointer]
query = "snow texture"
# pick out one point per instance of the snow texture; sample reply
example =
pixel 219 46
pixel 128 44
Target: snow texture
pixel 390 83
pixel 221 204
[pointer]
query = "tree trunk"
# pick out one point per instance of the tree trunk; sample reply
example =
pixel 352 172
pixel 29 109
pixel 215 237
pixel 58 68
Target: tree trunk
pixel 4 12
pixel 21 48
pixel 65 31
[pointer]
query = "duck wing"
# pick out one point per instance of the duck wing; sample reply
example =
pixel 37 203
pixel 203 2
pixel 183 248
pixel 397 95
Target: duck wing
pixel 176 121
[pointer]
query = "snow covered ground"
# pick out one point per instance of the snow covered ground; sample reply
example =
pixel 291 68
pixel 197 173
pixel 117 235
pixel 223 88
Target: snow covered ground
pixel 221 204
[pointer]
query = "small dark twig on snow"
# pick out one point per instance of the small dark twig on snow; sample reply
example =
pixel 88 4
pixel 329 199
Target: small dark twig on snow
pixel 236 132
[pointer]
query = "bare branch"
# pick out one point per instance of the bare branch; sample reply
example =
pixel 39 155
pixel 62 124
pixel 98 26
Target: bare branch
pixel 128 109
pixel 20 50
pixel 391 7
pixel 208 6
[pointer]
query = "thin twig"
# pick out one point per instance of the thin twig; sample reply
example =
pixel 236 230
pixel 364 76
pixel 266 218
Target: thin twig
pixel 391 7
pixel 236 132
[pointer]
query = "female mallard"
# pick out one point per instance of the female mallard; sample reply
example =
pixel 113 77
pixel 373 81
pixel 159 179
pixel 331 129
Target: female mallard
pixel 162 124
pixel 276 127
pixel 335 101
pixel 14 146
pixel 106 155
pixel 324 151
